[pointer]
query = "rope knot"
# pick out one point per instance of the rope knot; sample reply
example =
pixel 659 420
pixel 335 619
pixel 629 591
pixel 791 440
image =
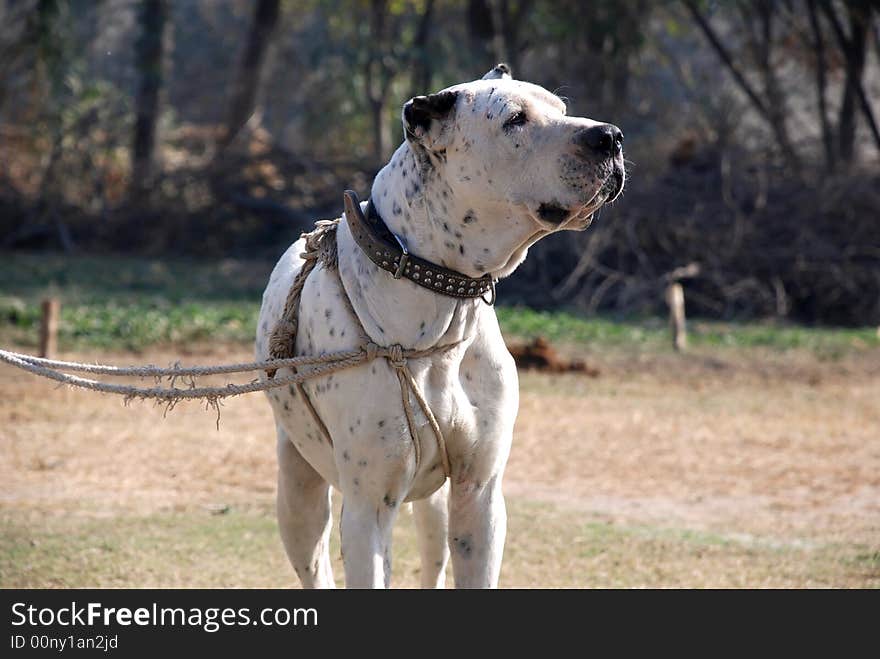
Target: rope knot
pixel 394 354
pixel 396 357
pixel 373 350
pixel 281 341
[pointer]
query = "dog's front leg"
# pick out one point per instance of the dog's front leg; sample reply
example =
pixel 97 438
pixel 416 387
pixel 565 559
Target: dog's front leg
pixel 431 516
pixel 365 530
pixel 304 516
pixel 477 527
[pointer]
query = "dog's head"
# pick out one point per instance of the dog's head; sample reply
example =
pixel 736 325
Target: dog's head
pixel 509 146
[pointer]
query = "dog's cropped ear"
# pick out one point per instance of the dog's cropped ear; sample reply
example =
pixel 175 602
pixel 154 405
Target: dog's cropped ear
pixel 501 71
pixel 425 118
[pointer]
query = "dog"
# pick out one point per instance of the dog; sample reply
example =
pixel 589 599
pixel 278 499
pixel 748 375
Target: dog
pixel 487 169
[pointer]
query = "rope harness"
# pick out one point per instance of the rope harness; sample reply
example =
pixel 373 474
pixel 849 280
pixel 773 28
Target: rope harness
pixel 320 245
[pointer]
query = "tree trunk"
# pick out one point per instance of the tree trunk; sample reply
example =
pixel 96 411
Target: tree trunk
pixel 423 67
pixel 500 46
pixel 821 85
pixel 378 79
pixel 148 58
pixel 512 20
pixel 481 32
pixel 772 89
pixel 854 49
pixel 595 72
pixel 244 91
pixel 629 20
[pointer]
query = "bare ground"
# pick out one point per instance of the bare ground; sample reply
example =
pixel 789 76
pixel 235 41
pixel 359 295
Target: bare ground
pixel 739 468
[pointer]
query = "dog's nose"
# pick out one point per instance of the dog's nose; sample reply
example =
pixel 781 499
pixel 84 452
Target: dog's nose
pixel 602 139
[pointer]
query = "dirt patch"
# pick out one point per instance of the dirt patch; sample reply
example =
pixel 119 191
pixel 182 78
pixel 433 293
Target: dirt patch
pixel 752 443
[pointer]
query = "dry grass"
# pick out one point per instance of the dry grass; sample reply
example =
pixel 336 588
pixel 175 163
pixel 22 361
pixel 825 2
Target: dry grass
pixel 752 469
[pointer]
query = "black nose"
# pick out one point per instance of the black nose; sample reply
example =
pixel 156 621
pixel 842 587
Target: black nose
pixel 602 139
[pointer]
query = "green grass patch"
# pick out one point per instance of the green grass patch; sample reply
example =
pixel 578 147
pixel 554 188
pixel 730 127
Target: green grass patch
pixel 130 303
pixel 653 333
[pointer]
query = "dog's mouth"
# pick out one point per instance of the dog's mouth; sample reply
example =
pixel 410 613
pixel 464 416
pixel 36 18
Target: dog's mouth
pixel 612 187
pixel 580 217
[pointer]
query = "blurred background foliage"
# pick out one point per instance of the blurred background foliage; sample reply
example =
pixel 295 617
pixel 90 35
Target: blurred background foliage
pixel 222 129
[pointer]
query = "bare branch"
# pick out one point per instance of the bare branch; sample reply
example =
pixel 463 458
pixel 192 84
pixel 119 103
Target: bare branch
pixel 774 119
pixel 849 51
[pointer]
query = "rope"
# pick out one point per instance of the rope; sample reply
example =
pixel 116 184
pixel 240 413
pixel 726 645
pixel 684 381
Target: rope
pixel 323 365
pixel 404 375
pixel 283 340
pixel 281 348
pixel 177 370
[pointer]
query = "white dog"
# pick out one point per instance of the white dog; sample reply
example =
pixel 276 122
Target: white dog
pixel 488 168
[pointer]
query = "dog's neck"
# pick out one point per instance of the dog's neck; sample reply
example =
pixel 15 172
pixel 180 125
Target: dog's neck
pixel 415 202
pixel 413 197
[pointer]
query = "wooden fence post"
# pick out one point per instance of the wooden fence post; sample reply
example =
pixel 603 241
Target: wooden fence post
pixel 49 328
pixel 675 300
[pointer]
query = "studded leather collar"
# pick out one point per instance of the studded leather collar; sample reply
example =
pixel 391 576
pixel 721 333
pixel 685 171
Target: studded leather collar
pixel 388 251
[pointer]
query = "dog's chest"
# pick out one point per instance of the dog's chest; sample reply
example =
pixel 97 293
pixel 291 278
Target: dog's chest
pixel 362 408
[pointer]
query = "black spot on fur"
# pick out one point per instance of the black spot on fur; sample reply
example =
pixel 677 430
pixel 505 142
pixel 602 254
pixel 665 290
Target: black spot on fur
pixel 463 546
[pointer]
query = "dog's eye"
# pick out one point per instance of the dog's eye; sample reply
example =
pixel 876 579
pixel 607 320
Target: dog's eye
pixel 516 119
